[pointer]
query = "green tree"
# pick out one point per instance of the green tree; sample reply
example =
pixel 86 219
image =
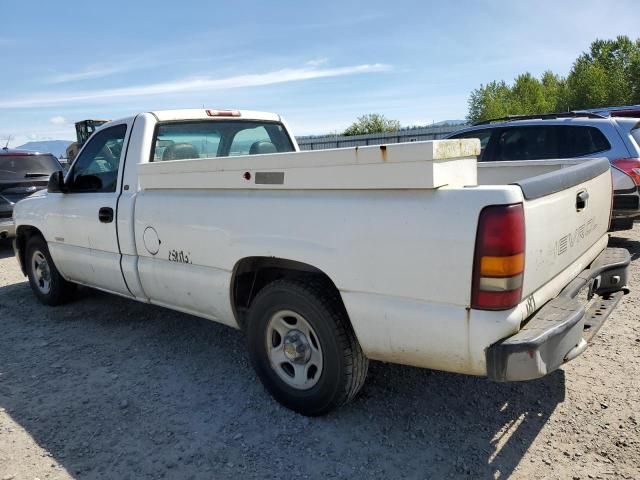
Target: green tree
pixel 556 92
pixel 490 101
pixel 372 123
pixel 605 75
pixel 527 95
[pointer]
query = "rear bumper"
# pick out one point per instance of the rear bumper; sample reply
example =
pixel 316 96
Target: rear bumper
pixel 562 328
pixel 7 228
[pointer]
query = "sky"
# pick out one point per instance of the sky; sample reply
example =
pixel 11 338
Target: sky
pixel 318 64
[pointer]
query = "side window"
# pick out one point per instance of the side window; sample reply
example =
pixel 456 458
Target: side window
pixel 578 141
pixel 527 143
pixel 96 168
pixel 483 135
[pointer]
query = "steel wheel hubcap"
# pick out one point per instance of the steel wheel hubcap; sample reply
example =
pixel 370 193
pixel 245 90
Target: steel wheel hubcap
pixel 294 350
pixel 41 272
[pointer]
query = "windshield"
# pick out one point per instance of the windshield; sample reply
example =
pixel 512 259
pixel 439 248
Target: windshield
pixel 25 166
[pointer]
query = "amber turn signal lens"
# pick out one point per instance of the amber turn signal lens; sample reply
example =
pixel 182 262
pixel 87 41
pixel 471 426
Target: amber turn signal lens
pixel 502 266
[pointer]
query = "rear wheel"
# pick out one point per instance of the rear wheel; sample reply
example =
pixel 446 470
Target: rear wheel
pixel 45 279
pixel 303 347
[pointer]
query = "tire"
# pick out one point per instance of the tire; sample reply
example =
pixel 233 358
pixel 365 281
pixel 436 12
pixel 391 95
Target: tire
pixel 45 279
pixel 303 347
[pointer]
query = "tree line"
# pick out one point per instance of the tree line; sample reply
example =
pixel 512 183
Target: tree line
pixel 607 74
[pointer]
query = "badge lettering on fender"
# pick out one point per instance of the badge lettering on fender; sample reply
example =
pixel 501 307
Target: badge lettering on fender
pixel 179 256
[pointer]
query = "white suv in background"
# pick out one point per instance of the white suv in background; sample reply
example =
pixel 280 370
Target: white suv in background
pixel 613 133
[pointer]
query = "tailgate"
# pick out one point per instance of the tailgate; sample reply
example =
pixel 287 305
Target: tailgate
pixel 566 220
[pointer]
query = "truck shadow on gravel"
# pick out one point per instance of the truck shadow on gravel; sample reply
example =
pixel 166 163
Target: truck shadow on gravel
pixel 117 389
pixel 6 250
pixel 622 242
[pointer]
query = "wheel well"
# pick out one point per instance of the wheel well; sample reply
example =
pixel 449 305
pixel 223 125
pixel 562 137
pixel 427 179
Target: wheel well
pixel 23 234
pixel 252 274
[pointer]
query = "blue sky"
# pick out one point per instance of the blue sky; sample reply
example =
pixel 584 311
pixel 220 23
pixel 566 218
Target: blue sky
pixel 319 64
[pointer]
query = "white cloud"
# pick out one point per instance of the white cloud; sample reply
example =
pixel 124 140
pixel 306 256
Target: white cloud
pixel 317 62
pixel 95 71
pixel 198 84
pixel 58 120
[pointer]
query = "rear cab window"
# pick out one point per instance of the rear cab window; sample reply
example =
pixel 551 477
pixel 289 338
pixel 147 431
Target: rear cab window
pixel 184 140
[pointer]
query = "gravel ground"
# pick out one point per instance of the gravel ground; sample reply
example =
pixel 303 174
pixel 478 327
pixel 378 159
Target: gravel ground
pixel 109 388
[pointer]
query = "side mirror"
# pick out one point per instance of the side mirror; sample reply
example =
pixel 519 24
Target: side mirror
pixel 56 183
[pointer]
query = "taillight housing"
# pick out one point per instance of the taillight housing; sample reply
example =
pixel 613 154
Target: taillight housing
pixel 499 258
pixel 630 166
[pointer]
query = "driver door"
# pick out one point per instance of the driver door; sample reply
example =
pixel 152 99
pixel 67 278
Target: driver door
pixel 85 244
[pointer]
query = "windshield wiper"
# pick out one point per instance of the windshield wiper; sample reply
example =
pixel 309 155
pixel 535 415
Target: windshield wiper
pixel 36 174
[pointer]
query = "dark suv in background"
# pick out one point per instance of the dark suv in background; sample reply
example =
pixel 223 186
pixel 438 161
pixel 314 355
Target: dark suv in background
pixel 22 173
pixel 613 133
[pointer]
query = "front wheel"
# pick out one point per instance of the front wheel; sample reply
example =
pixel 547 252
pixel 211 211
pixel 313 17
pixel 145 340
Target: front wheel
pixel 45 279
pixel 303 347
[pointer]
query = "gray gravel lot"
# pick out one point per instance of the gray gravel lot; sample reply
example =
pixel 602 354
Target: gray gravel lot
pixel 108 388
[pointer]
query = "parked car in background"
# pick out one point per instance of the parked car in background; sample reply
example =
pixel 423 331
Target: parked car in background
pixel 609 133
pixel 21 174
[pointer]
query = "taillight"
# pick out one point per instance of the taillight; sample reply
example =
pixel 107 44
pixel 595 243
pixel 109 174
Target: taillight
pixel 630 166
pixel 499 258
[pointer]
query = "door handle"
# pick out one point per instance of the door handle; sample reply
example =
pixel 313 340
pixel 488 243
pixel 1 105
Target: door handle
pixel 581 200
pixel 105 214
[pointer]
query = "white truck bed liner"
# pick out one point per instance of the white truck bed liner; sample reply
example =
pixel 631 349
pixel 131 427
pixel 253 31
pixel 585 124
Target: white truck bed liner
pixel 417 165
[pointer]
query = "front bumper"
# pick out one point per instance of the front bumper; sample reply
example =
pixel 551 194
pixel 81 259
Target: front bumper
pixel 562 328
pixel 7 228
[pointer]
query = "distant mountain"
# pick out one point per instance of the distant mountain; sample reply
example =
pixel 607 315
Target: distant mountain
pixel 56 147
pixel 442 123
pixel 450 122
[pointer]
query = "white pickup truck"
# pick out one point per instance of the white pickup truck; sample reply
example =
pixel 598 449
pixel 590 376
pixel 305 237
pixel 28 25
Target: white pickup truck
pixel 330 258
